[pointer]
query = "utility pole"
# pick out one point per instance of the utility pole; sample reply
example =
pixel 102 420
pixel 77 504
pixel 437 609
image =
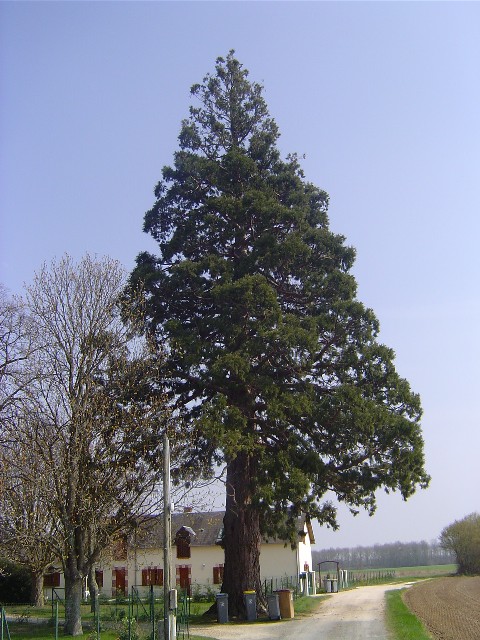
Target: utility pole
pixel 169 620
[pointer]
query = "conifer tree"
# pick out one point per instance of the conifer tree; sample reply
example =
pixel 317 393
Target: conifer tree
pixel 272 358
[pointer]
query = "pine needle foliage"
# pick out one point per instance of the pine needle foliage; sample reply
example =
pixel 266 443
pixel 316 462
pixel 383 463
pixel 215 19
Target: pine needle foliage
pixel 272 358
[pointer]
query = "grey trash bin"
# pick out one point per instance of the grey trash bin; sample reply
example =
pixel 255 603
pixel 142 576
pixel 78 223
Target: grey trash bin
pixel 250 598
pixel 222 607
pixel 273 606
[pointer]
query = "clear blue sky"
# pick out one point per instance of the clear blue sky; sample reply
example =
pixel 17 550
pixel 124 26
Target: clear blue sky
pixel 382 98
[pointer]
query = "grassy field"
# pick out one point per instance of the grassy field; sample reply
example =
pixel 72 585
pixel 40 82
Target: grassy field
pixel 359 577
pixel 426 571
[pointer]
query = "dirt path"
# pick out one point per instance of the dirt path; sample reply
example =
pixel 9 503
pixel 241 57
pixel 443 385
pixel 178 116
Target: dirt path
pixel 448 607
pixel 349 615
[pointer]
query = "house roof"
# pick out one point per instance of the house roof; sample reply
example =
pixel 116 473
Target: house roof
pixel 207 526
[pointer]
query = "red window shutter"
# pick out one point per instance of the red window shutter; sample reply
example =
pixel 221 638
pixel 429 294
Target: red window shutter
pixel 218 574
pixel 145 580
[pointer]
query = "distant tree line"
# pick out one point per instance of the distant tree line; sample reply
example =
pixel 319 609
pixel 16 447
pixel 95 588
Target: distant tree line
pixel 396 554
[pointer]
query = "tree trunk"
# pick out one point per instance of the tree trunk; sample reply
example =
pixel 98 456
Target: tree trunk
pixel 73 602
pixel 242 536
pixel 37 590
pixel 93 588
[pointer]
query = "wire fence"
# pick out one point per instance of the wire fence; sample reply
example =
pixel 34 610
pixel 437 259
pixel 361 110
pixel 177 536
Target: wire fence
pixel 357 577
pixel 271 585
pixel 136 616
pixel 139 615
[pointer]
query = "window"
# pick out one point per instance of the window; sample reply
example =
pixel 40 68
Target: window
pixel 51 579
pixel 182 540
pixel 218 574
pixel 152 576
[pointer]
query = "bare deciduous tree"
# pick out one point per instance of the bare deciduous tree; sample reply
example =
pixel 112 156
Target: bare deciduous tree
pixel 28 533
pixel 17 344
pixel 93 417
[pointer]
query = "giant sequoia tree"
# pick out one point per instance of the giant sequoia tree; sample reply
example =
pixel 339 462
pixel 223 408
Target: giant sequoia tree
pixel 272 358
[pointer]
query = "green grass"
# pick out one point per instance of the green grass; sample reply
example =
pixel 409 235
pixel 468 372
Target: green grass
pixel 197 609
pixel 427 570
pixel 400 620
pixel 47 632
pixel 413 572
pixel 27 611
pixel 402 574
pixel 108 612
pixel 306 605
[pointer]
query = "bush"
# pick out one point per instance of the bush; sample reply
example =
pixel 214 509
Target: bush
pixel 463 538
pixel 15 583
pixel 129 630
pixel 203 593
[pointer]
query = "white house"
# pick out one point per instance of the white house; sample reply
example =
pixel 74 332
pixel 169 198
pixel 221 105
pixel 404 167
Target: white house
pixel 197 556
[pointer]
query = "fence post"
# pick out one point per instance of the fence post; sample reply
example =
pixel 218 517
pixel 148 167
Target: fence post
pixel 152 611
pixel 97 610
pixel 56 619
pixel 130 613
pixel 4 623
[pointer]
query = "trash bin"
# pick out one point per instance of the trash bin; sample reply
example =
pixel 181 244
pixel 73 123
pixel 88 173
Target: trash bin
pixel 327 585
pixel 273 606
pixel 250 598
pixel 285 598
pixel 222 607
pixel 334 582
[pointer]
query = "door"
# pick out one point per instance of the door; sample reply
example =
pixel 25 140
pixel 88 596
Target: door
pixel 183 578
pixel 120 582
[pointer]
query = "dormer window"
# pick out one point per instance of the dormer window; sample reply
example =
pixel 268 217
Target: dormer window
pixel 183 539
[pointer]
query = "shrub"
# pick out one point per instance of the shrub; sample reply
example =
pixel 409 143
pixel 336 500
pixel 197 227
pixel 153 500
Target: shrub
pixel 463 538
pixel 15 583
pixel 129 630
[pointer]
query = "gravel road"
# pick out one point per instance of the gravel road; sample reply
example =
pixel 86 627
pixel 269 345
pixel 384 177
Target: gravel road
pixel 348 615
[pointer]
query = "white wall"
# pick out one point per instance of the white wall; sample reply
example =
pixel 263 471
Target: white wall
pixel 276 561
